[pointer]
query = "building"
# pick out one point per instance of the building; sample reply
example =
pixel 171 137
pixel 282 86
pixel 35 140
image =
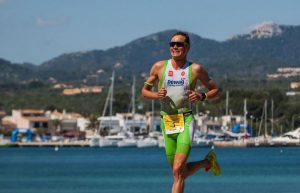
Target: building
pixel 229 120
pixel 22 124
pixel 82 90
pixel 285 72
pixel 292 93
pixel 5 125
pixel 28 119
pixel 295 85
pixel 123 122
pixel 68 121
pixel 62 86
pixel 153 121
pixel 207 124
pixel 71 91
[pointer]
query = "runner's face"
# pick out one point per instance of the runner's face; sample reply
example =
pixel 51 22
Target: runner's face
pixel 179 52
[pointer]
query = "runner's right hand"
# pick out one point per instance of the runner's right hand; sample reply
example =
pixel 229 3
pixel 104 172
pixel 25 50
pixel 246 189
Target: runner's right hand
pixel 161 93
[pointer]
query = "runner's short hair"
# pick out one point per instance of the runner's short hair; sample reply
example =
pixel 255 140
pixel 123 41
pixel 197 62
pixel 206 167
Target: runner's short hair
pixel 186 35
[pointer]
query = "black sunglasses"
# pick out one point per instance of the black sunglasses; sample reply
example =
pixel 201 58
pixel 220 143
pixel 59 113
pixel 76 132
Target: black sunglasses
pixel 178 44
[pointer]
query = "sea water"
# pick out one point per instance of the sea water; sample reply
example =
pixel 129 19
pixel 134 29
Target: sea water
pixel 145 170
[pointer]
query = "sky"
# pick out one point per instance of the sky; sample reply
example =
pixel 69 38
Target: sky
pixel 35 31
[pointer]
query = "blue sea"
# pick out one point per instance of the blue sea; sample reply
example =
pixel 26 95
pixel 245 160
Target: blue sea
pixel 134 170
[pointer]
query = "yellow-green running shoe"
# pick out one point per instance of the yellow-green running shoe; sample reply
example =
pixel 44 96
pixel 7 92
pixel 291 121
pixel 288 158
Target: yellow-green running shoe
pixel 214 166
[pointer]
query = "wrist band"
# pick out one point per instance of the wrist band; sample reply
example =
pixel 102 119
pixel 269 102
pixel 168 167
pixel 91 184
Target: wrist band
pixel 204 96
pixel 148 83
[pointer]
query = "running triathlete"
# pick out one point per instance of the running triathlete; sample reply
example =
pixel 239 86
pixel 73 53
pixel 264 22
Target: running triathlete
pixel 176 79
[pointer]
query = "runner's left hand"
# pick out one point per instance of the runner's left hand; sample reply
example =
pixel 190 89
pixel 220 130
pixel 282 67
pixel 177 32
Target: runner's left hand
pixel 194 96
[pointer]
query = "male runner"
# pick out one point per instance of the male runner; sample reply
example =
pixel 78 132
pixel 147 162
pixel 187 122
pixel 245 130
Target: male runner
pixel 177 79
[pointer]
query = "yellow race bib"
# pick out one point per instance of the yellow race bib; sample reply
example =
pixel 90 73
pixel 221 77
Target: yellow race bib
pixel 173 123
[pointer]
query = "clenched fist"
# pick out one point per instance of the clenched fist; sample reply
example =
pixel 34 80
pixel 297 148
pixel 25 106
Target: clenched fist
pixel 161 93
pixel 194 96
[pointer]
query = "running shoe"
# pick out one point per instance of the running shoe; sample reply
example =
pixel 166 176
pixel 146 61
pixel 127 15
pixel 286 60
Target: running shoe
pixel 214 166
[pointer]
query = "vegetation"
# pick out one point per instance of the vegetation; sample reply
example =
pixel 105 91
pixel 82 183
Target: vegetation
pixel 239 66
pixel 41 96
pixel 240 56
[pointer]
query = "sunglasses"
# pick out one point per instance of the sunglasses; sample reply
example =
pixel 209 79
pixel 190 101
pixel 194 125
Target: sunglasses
pixel 178 44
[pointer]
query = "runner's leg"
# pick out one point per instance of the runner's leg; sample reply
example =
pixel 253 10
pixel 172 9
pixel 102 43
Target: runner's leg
pixel 184 142
pixel 170 144
pixel 179 168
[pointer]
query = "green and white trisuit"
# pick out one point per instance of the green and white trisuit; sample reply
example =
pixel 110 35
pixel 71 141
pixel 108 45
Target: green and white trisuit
pixel 177 83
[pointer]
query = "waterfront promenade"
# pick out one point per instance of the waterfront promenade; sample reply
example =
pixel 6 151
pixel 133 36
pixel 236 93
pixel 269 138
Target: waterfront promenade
pixel 217 144
pixel 48 144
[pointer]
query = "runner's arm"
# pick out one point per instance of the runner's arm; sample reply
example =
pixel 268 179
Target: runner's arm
pixel 213 91
pixel 201 74
pixel 151 80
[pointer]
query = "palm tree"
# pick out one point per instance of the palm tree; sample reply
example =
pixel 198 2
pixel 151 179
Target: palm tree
pixel 55 126
pixel 93 123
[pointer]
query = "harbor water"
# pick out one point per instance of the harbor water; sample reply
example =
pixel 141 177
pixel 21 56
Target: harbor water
pixel 145 170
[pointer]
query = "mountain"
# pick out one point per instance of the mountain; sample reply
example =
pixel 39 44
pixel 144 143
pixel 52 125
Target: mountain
pixel 262 51
pixel 134 57
pixel 269 41
pixel 14 72
pixel 263 30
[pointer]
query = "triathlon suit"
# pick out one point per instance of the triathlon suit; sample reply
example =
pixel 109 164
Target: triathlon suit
pixel 177 83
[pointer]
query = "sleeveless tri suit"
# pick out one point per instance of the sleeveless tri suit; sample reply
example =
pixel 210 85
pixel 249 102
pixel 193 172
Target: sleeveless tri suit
pixel 176 103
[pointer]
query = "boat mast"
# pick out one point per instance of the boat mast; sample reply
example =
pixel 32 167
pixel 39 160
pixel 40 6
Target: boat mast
pixel 111 99
pixel 272 118
pixel 133 97
pixel 227 101
pixel 245 115
pixel 262 118
pixel 266 117
pixel 111 93
pixel 106 102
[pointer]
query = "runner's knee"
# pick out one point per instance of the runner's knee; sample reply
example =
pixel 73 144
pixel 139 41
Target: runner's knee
pixel 178 170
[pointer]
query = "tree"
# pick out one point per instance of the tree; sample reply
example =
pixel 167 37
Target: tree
pixel 93 123
pixel 55 126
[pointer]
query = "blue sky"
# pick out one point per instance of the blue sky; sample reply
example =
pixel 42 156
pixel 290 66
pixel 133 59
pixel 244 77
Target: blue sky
pixel 38 30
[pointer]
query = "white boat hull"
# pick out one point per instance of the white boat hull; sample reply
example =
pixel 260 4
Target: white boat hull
pixel 107 143
pixel 127 143
pixel 94 142
pixel 148 142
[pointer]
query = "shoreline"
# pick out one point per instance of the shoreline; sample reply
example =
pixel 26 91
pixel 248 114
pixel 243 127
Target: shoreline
pixel 47 144
pixel 217 144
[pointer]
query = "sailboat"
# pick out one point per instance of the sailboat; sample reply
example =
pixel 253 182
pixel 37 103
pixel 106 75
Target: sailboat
pixel 147 142
pixel 94 140
pixel 113 125
pixel 264 139
pixel 237 131
pixel 136 125
pixel 289 138
pixel 134 122
pixel 110 124
pixel 241 130
pixel 127 142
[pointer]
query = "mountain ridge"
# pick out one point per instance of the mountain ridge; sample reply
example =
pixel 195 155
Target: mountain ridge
pixel 238 56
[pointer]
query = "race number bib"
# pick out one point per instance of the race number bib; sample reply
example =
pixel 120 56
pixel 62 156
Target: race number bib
pixel 173 123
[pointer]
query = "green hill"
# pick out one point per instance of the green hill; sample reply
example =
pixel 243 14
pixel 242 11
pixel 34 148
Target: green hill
pixel 249 55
